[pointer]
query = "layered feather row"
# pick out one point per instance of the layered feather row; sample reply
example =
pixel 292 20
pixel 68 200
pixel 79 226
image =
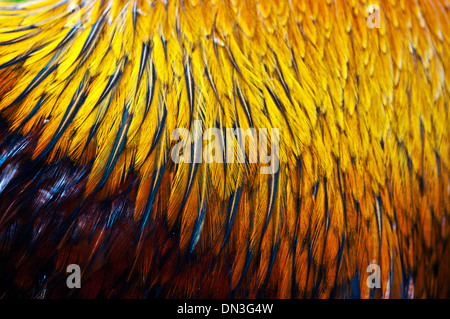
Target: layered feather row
pixel 91 91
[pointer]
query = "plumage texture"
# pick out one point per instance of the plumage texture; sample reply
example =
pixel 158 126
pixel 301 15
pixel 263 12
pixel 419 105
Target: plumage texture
pixel 89 99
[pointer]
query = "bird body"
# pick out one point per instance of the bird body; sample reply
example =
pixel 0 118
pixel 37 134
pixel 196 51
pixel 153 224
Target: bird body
pixel 91 92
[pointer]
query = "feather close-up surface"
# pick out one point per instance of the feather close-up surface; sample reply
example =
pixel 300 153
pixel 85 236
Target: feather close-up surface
pixel 99 97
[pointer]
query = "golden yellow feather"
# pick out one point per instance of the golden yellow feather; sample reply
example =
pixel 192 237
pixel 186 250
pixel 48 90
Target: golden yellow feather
pixel 364 145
